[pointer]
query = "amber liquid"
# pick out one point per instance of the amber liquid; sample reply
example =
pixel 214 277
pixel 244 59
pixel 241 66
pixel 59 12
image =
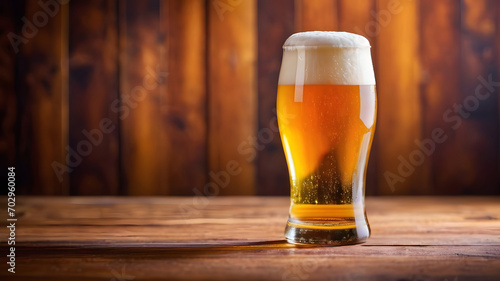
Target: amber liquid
pixel 326 131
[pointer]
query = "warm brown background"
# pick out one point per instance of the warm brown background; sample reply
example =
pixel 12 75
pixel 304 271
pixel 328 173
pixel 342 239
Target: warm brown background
pixel 222 59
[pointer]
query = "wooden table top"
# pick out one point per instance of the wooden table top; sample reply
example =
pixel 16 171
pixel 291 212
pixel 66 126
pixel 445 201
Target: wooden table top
pixel 241 238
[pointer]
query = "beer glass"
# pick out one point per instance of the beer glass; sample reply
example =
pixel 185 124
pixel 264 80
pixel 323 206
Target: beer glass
pixel 326 114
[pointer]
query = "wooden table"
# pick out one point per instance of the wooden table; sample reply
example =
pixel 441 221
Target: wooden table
pixel 241 238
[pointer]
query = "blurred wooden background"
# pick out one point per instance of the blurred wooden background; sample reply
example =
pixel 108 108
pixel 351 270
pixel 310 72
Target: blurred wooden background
pixel 183 93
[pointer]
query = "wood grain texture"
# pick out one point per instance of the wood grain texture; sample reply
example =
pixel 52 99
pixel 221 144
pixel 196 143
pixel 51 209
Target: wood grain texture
pixel 142 72
pixel 42 93
pixel 400 119
pixel 440 56
pixel 93 80
pixel 232 97
pixel 477 131
pixel 316 15
pixel 184 24
pixel 8 100
pixel 241 238
pixel 274 27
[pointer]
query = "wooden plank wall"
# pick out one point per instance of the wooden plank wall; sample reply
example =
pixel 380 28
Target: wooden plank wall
pixel 274 26
pixel 440 54
pixel 92 72
pixel 143 130
pixel 42 98
pixel 232 93
pixel 478 62
pixel 186 105
pixel 8 99
pixel 399 76
pixel 177 97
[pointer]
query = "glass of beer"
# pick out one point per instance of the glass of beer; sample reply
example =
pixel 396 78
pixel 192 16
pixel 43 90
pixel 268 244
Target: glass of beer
pixel 326 114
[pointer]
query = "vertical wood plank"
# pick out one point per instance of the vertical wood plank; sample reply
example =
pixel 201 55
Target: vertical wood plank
pixel 441 68
pixel 42 92
pixel 477 135
pixel 357 17
pixel 93 82
pixel 399 120
pixel 232 93
pixel 498 104
pixel 184 23
pixel 142 73
pixel 316 15
pixel 8 101
pixel 274 27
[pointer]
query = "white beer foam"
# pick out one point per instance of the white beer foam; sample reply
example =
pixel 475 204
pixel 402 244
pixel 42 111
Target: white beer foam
pixel 326 38
pixel 327 58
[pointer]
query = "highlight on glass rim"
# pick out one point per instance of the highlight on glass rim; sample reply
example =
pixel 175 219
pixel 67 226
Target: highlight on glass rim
pixel 327 83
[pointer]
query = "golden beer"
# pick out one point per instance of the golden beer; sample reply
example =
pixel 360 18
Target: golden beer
pixel 330 101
